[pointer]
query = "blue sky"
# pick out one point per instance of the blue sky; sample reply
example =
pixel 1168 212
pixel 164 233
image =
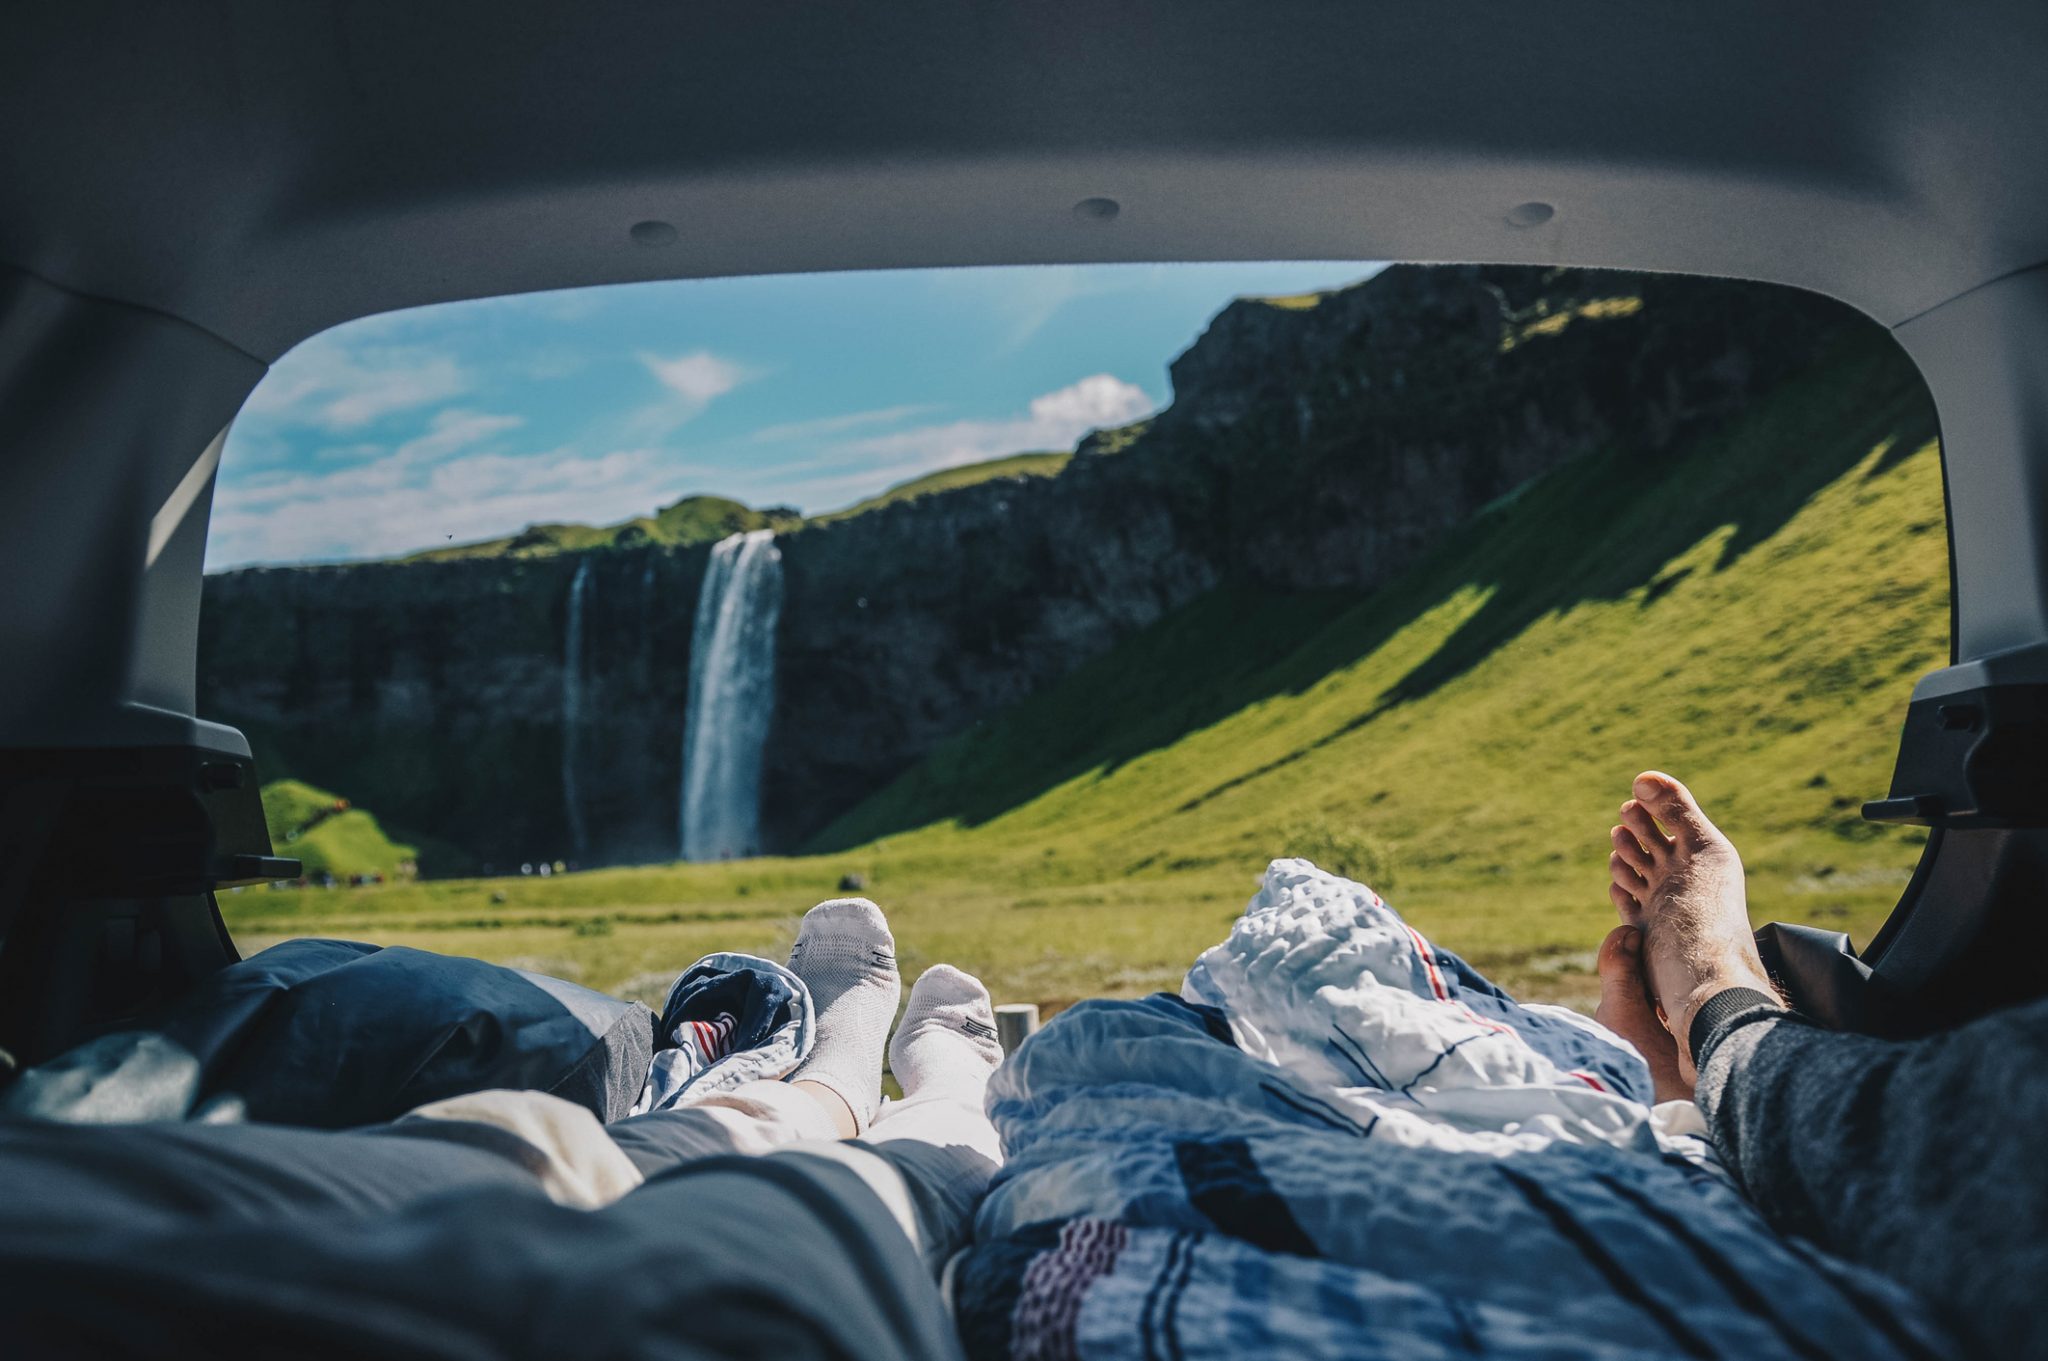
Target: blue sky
pixel 471 420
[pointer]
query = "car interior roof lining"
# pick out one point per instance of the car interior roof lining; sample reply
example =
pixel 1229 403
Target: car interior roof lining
pixel 268 171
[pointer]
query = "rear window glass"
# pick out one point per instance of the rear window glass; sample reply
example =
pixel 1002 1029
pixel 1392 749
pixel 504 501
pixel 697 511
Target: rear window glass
pixel 594 631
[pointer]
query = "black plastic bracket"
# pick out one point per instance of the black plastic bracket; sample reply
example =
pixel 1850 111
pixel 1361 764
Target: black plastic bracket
pixel 108 861
pixel 1973 758
pixel 122 822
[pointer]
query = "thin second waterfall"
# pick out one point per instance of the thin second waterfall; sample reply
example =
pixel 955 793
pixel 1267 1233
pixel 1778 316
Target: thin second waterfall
pixel 732 696
pixel 572 710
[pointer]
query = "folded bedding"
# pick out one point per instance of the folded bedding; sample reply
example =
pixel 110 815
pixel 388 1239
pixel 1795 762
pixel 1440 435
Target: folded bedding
pixel 1341 1140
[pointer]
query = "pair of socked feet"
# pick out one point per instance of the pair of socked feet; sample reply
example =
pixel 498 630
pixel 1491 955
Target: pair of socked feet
pixel 1685 934
pixel 846 956
pixel 1675 879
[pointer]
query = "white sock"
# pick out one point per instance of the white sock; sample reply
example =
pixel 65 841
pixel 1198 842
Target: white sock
pixel 846 956
pixel 948 1035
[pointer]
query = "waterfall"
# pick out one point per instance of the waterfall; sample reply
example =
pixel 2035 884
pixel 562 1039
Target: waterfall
pixel 732 692
pixel 572 708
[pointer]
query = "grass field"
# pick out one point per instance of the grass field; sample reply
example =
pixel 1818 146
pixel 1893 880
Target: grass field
pixel 1750 613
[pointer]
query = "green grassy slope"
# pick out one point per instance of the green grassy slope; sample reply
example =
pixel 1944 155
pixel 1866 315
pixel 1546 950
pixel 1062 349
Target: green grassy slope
pixel 692 520
pixel 1751 616
pixel 1749 613
pixel 707 519
pixel 306 826
pixel 968 475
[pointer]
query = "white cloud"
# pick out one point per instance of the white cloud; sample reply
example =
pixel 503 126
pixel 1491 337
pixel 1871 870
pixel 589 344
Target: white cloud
pixel 699 378
pixel 453 482
pixel 444 485
pixel 451 430
pixel 1094 403
pixel 448 431
pixel 399 505
pixel 335 385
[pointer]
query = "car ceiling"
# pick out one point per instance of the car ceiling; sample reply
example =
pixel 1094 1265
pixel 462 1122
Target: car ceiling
pixel 266 170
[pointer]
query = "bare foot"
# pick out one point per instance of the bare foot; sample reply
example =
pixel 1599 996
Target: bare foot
pixel 1625 1009
pixel 1680 880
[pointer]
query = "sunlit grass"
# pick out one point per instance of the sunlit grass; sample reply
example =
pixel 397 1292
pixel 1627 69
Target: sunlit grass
pixel 318 829
pixel 1553 322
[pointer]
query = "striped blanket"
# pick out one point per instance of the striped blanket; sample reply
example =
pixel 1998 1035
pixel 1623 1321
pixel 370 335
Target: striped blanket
pixel 1342 1141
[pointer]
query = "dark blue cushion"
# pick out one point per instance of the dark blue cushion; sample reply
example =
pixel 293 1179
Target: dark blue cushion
pixel 331 1033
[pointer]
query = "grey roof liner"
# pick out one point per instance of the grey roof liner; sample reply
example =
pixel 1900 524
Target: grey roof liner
pixel 266 170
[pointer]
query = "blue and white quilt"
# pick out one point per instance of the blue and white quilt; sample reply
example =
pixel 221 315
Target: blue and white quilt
pixel 1342 1141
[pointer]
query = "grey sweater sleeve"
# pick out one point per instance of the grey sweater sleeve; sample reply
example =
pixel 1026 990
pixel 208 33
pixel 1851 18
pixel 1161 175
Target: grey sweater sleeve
pixel 1923 1160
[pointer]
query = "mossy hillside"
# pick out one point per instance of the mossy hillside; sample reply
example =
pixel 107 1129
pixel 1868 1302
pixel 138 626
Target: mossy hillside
pixel 1751 615
pixel 1559 553
pixel 327 835
pixel 690 521
pixel 1749 611
pixel 707 519
pixel 292 806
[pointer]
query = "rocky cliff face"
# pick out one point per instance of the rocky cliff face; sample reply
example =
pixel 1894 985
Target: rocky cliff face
pixel 433 692
pixel 1311 443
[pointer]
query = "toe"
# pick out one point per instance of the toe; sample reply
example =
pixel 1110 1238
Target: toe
pixel 1626 1010
pixel 1626 876
pixel 1625 903
pixel 943 985
pixel 1636 818
pixel 1624 1004
pixel 949 1028
pixel 1674 806
pixel 844 928
pixel 1631 850
pixel 846 917
pixel 1620 964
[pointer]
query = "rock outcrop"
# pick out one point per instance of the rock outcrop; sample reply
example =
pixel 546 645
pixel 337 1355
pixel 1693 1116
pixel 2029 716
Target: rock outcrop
pixel 1314 443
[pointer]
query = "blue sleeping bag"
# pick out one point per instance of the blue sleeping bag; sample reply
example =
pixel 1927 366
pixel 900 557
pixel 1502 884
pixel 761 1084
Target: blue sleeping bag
pixel 332 1034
